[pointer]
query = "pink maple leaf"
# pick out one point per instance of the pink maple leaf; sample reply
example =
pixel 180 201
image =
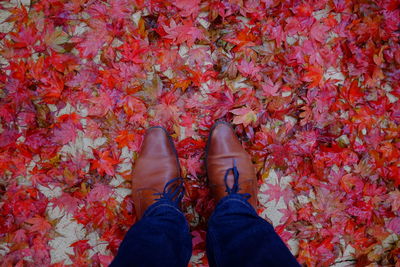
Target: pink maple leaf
pixel 194 165
pixel 287 215
pixel 65 133
pixel 275 192
pixel 318 32
pixel 244 116
pixel 66 201
pixel 269 88
pixel 248 68
pixel 183 33
pixel 66 129
pixel 394 225
pixel 100 192
pixel 94 39
pixel 187 7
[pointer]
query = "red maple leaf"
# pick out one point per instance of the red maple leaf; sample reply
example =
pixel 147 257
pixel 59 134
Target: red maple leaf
pixel 104 163
pixel 313 75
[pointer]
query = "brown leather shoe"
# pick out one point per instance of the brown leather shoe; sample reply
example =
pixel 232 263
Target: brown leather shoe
pixel 156 165
pixel 223 151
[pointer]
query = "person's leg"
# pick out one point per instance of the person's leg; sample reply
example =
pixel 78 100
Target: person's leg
pixel 236 235
pixel 161 237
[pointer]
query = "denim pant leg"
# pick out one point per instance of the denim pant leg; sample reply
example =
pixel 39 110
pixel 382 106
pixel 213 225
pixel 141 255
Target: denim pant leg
pixel 237 236
pixel 160 238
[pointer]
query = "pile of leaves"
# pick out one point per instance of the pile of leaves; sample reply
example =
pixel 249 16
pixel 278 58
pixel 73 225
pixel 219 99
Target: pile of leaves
pixel 312 88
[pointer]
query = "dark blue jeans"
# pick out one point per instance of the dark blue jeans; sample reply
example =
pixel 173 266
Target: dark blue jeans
pixel 236 236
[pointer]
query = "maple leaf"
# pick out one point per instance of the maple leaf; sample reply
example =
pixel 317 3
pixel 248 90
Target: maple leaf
pixel 287 215
pixel 27 36
pixel 20 236
pixel 271 89
pixel 244 116
pixel 8 137
pixel 134 108
pixel 66 130
pixel 350 182
pixel 183 33
pixel 38 224
pixel 394 196
pixel 194 165
pixel 187 7
pixel 94 39
pixel 120 9
pixel 80 246
pixel 65 133
pixel 100 105
pixel 313 75
pixel 275 192
pixel 305 115
pixel 355 93
pixel 100 192
pixel 104 163
pixel 105 260
pixel 51 88
pixel 306 142
pixel 130 139
pixel 318 32
pixel 199 56
pixel 189 145
pixel 41 251
pixel 248 69
pixel 92 129
pixel 198 238
pixel 278 34
pixel 55 38
pixel 66 201
pixel 394 225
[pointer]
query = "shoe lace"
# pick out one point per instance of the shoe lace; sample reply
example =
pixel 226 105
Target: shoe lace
pixel 235 188
pixel 173 191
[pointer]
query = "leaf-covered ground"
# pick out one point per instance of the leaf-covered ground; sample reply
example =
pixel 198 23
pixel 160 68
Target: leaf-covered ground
pixel 312 88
